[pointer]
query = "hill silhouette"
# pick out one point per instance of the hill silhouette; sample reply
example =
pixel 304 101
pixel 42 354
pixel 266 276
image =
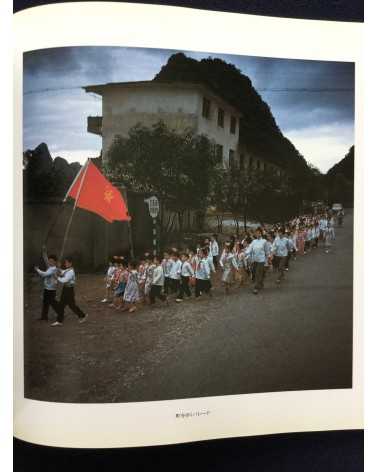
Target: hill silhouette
pixel 259 131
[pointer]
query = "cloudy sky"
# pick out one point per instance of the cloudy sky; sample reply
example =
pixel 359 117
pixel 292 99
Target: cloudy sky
pixel 312 101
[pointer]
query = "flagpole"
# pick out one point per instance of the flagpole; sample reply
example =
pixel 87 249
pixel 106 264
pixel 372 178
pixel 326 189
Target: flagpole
pixel 53 224
pixel 61 206
pixel 130 232
pixel 68 227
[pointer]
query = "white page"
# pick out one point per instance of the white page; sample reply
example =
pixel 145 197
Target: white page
pixel 152 423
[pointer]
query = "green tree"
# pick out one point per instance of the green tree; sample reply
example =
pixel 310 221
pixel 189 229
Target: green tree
pixel 177 167
pixel 242 193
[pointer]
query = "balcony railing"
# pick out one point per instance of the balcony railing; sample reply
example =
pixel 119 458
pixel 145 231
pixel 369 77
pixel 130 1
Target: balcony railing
pixel 94 125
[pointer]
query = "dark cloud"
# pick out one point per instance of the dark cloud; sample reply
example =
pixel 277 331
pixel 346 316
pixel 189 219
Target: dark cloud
pixel 302 92
pixel 303 95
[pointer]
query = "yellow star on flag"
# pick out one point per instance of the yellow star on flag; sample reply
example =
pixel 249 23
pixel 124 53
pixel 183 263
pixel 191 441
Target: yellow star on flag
pixel 108 195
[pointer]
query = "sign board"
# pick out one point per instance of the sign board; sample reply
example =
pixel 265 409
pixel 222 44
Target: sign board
pixel 153 206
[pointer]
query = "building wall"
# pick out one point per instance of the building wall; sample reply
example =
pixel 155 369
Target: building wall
pixel 221 135
pixel 123 108
pixel 258 163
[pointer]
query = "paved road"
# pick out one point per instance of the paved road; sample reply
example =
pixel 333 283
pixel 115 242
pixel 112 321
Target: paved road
pixel 293 337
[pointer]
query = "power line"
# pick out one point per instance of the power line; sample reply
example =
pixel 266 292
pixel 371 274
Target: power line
pixel 263 89
pixel 51 89
pixel 305 90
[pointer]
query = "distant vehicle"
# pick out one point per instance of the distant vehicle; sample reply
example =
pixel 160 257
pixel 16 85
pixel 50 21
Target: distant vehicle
pixel 337 207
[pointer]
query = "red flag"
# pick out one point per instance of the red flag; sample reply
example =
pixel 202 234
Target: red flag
pixel 93 192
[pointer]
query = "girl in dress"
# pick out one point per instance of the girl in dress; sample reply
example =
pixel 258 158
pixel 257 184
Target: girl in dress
pixel 120 289
pixel 241 263
pixel 228 264
pixel 131 295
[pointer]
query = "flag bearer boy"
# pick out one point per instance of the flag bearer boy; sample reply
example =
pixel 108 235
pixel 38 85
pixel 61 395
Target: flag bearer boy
pixel 49 284
pixel 67 298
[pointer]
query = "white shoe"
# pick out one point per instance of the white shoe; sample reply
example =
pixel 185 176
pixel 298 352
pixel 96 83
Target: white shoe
pixel 56 323
pixel 179 300
pixel 84 319
pixel 104 300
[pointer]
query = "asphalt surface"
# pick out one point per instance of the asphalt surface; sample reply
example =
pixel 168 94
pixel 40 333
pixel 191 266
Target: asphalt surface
pixel 296 336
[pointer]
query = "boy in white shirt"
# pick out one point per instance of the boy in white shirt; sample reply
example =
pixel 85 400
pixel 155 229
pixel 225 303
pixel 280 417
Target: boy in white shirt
pixel 175 273
pixel 157 282
pixel 49 284
pixel 202 275
pixel 214 248
pixel 68 279
pixel 186 272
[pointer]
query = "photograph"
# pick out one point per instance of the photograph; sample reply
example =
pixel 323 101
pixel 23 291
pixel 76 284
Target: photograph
pixel 187 224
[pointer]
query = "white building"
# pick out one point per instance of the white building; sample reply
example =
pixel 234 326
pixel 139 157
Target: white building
pixel 180 105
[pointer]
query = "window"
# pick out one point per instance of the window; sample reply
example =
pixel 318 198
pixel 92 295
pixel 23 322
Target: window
pixel 241 161
pixel 219 152
pixel 250 162
pixel 233 125
pixel 231 158
pixel 221 117
pixel 206 108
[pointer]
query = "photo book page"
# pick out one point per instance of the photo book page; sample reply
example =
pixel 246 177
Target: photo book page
pixel 187 188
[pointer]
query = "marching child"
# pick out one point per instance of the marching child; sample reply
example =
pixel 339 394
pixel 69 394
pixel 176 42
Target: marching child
pixel 327 239
pixel 171 285
pixel 317 234
pixel 142 270
pixel 241 263
pixel 301 236
pixel 158 282
pixel 49 284
pixel 67 298
pixel 175 273
pixel 202 275
pixel 131 295
pixel 186 273
pixel 149 276
pixel 120 288
pixel 281 248
pixel 229 265
pixel 308 238
pixel 108 281
pixel 269 259
pixel 214 248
